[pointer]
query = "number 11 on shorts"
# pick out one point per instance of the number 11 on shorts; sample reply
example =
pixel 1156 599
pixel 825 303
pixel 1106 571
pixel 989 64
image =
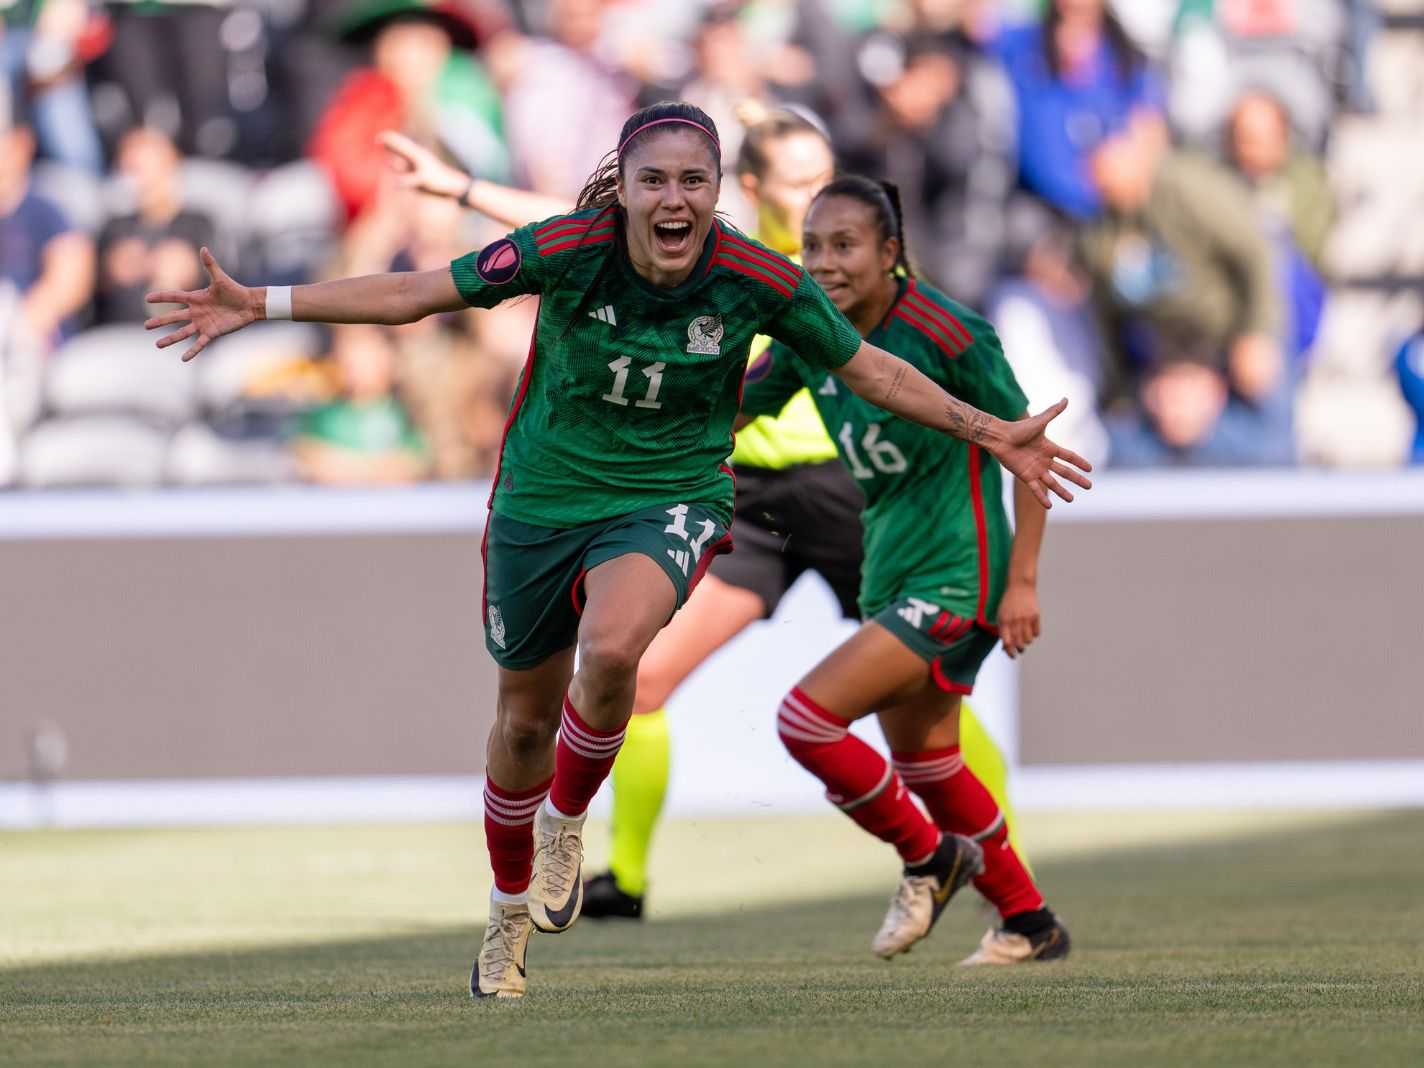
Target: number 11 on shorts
pixel 678 526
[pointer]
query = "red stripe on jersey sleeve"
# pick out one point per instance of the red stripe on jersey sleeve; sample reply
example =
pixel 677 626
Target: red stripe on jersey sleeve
pixel 582 241
pixel 567 221
pixel 565 232
pixel 782 268
pixel 939 314
pixel 948 345
pixel 758 264
pixel 752 272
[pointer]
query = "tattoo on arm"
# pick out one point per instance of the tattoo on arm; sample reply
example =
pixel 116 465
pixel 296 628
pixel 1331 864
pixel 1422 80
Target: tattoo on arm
pixel 897 382
pixel 966 422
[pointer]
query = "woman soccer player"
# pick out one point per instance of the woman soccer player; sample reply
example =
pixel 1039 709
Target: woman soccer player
pixel 942 573
pixel 797 508
pixel 611 495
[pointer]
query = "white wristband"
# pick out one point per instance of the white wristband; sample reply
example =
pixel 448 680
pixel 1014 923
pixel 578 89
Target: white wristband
pixel 279 302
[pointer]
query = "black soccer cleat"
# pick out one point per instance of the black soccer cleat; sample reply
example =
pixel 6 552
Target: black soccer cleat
pixel 604 899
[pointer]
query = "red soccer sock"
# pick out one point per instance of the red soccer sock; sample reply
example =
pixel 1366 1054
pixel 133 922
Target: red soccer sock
pixel 582 761
pixel 859 781
pixel 959 802
pixel 509 833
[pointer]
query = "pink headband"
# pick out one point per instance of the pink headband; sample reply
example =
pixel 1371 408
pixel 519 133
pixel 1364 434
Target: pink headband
pixel 663 122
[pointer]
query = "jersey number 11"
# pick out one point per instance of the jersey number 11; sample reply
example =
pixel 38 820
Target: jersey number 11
pixel 619 367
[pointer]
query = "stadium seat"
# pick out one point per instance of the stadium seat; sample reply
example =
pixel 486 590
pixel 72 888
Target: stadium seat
pixel 228 367
pixel 221 191
pixel 116 370
pixel 1345 421
pixel 1377 169
pixel 22 363
pixel 199 456
pixel 295 219
pixel 1362 328
pixel 95 450
pixel 78 194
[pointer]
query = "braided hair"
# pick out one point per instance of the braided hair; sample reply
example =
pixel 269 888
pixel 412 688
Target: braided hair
pixel 883 198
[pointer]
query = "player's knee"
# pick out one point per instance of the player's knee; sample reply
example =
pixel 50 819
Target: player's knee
pixel 526 734
pixel 608 661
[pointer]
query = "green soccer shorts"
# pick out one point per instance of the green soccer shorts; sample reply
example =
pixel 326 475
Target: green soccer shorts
pixel 534 575
pixel 954 646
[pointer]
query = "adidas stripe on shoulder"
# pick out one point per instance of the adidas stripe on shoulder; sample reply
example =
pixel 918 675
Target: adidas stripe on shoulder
pixel 584 230
pixel 736 253
pixel 933 320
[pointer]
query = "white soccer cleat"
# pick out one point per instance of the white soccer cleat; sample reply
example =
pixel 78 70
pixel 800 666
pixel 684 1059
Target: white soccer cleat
pixel 923 893
pixel 556 883
pixel 1006 947
pixel 910 917
pixel 499 969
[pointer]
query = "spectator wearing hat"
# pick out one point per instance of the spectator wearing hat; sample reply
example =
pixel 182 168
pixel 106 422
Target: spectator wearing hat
pixel 424 80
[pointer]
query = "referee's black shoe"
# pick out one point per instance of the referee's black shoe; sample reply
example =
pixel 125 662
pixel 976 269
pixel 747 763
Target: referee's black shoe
pixel 604 899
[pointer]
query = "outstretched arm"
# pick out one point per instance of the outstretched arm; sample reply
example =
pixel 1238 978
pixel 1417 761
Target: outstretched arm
pixel 422 169
pixel 1018 608
pixel 1021 446
pixel 226 305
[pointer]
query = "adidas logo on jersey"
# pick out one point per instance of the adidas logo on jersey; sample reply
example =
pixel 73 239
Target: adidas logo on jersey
pixel 828 388
pixel 681 557
pixel 604 315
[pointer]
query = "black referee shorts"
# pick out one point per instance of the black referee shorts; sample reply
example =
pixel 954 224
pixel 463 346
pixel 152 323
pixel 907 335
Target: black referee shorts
pixel 802 518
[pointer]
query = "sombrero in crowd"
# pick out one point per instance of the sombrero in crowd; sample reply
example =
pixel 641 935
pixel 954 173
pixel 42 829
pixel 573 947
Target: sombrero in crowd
pixel 360 21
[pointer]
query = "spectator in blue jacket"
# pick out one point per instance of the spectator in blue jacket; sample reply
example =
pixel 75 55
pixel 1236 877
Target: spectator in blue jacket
pixel 1077 76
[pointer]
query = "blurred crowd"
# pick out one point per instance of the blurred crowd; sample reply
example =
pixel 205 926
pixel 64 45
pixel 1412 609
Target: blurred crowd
pixel 1198 219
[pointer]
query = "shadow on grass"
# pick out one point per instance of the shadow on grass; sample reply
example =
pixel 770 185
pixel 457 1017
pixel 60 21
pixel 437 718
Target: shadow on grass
pixel 1295 939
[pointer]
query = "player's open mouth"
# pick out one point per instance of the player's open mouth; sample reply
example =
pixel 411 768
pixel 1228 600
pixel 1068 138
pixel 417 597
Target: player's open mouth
pixel 673 238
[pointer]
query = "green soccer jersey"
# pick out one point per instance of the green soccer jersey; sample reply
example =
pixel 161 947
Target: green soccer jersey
pixel 630 391
pixel 935 524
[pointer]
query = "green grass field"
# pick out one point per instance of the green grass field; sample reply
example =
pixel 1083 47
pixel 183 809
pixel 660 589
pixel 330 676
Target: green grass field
pixel 1206 938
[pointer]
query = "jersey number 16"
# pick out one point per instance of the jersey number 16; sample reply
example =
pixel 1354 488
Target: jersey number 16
pixel 886 457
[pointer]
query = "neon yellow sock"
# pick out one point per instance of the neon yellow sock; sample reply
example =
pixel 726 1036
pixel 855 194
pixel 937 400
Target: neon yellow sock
pixel 640 779
pixel 984 758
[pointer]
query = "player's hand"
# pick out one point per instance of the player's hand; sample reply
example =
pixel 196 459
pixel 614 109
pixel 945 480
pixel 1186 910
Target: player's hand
pixel 1018 617
pixel 421 169
pixel 220 309
pixel 1027 454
